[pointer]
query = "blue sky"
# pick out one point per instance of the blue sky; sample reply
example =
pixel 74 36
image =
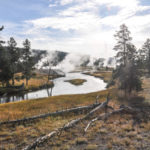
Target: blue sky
pixel 80 26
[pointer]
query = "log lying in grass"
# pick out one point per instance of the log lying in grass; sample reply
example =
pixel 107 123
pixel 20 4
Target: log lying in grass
pixel 57 113
pixel 67 126
pixel 40 140
pixel 104 116
pixel 72 123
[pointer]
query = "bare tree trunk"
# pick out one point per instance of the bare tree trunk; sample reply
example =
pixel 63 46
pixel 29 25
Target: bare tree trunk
pixel 51 91
pixel 48 78
pixel 48 92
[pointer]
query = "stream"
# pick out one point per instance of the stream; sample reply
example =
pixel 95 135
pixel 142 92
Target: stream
pixel 93 84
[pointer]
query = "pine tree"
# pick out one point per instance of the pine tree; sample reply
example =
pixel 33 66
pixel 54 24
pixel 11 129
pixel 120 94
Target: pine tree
pixel 1 42
pixel 5 74
pixel 14 57
pixel 123 39
pixel 146 49
pixel 141 59
pixel 126 72
pixel 28 62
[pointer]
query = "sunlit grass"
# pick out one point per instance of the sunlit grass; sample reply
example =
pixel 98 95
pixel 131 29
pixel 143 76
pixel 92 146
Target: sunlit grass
pixel 76 81
pixel 105 75
pixel 36 81
pixel 26 108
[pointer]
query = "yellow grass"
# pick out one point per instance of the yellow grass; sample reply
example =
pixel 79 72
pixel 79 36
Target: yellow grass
pixel 146 89
pixel 11 137
pixel 26 108
pixel 118 131
pixel 37 82
pixel 105 75
pixel 76 81
pixel 34 82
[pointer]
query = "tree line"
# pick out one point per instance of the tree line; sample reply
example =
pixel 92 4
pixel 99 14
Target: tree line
pixel 14 60
pixel 130 62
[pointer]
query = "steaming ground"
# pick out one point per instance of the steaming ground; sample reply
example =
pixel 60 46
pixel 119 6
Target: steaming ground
pixel 69 61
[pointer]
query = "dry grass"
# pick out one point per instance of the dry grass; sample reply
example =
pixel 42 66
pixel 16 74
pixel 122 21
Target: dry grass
pixel 34 82
pixel 105 75
pixel 81 140
pixel 37 82
pixel 76 81
pixel 16 137
pixel 91 147
pixel 117 132
pixel 28 108
pixel 146 89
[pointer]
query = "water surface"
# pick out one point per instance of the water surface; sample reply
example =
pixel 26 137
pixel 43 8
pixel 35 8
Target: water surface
pixel 93 84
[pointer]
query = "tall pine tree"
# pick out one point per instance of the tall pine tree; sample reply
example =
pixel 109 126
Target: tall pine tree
pixel 28 62
pixel 5 74
pixel 13 57
pixel 126 72
pixel 123 39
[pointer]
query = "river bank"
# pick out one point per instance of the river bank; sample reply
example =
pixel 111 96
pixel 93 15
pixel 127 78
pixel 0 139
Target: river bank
pixel 18 110
pixel 104 75
pixel 36 82
pixel 61 88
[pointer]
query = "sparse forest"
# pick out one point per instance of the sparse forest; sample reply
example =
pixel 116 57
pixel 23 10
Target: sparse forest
pixel 14 60
pixel 116 117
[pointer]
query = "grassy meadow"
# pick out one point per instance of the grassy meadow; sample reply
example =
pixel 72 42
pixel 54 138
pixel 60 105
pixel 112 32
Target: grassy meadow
pixel 121 131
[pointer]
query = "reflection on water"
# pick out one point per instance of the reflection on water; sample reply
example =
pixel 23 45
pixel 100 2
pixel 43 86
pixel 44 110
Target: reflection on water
pixel 93 84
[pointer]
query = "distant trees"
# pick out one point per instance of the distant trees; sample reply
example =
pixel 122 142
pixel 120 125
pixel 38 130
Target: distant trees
pixel 143 57
pixel 99 63
pixel 146 50
pixel 126 71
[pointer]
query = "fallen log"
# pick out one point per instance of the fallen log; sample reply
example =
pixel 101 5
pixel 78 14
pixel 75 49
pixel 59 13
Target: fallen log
pixel 40 140
pixel 101 106
pixel 67 126
pixel 124 109
pixel 57 113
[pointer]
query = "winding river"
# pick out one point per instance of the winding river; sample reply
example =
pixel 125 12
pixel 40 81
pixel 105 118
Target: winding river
pixel 93 84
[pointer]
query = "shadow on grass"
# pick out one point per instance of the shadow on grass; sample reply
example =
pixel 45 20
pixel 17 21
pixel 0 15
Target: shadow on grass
pixel 138 103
